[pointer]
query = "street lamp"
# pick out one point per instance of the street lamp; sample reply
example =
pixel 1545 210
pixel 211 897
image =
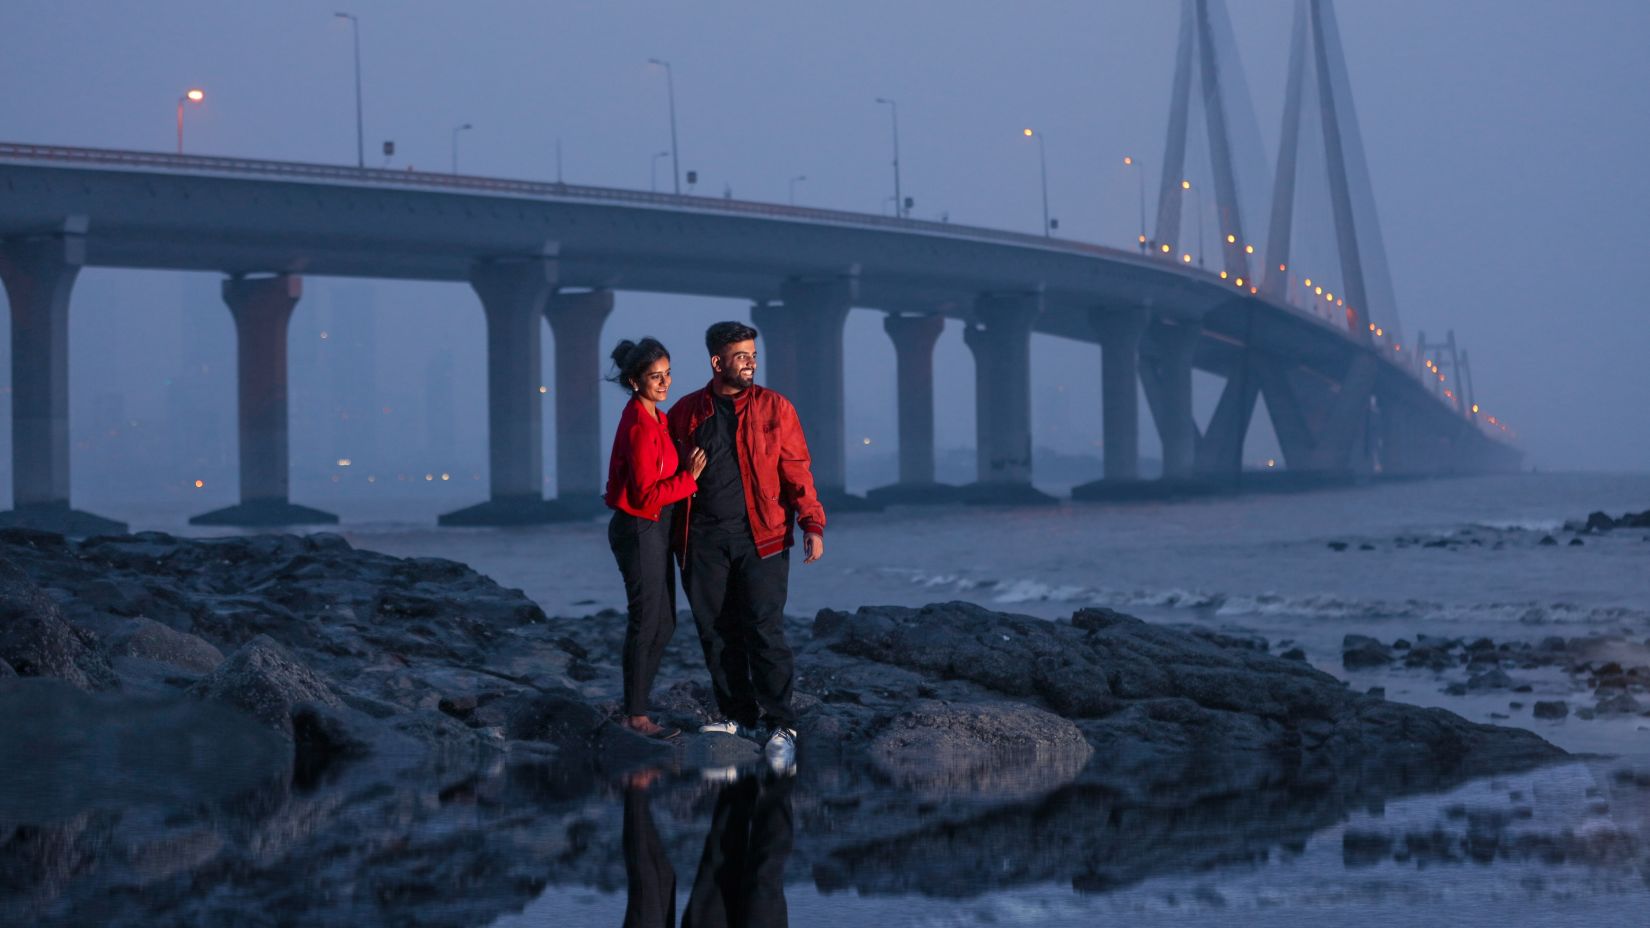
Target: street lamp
pixel 893 111
pixel 360 143
pixel 1197 192
pixel 1140 175
pixel 456 131
pixel 653 170
pixel 794 181
pixel 1042 162
pixel 194 95
pixel 675 160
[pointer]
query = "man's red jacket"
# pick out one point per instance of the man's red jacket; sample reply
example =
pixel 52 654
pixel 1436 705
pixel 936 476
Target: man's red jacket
pixel 773 463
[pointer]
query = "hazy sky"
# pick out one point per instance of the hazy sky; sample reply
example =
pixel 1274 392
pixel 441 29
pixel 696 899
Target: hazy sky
pixel 1505 140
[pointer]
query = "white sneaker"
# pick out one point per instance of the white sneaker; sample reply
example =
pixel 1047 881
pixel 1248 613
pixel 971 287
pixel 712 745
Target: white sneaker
pixel 722 727
pixel 780 751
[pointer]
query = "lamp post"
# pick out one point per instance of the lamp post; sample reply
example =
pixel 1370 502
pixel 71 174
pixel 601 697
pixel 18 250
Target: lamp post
pixel 1042 163
pixel 456 131
pixel 893 112
pixel 1197 194
pixel 675 159
pixel 194 95
pixel 653 170
pixel 1140 176
pixel 794 181
pixel 360 142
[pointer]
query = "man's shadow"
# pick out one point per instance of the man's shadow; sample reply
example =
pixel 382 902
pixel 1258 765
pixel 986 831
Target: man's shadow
pixel 741 877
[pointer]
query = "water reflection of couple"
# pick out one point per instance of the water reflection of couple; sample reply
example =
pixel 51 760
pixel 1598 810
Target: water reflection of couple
pixel 741 878
pixel 731 463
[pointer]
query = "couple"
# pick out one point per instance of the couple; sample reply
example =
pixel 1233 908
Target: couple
pixel 732 461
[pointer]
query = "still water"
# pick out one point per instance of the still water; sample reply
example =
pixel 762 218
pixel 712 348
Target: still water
pixel 540 846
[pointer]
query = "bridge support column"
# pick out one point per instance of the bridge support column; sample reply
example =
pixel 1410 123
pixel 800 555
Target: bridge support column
pixel 816 311
pixel 1120 333
pixel 576 323
pixel 914 338
pixel 1220 453
pixel 262 307
pixel 1168 375
pixel 39 274
pixel 513 295
pixel 1000 340
pixel 780 332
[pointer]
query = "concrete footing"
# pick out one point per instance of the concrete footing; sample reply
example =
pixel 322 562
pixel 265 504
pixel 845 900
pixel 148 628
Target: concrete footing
pixel 59 518
pixel 265 513
pixel 915 494
pixel 519 510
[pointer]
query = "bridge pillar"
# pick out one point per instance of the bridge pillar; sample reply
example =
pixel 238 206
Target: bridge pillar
pixel 38 275
pixel 914 338
pixel 1000 339
pixel 513 295
pixel 1169 375
pixel 1120 332
pixel 1220 454
pixel 576 323
pixel 780 333
pixel 810 375
pixel 262 307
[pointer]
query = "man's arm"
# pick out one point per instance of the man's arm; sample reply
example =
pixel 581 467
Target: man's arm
pixel 796 481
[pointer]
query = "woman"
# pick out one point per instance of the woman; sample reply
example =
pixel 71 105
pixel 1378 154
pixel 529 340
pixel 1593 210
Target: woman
pixel 642 479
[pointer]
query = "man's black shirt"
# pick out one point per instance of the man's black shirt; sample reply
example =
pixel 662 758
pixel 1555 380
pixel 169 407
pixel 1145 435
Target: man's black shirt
pixel 719 506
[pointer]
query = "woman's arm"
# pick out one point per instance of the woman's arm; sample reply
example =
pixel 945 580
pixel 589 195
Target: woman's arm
pixel 646 487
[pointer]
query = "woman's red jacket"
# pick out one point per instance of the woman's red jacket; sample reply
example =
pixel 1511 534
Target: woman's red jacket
pixel 642 475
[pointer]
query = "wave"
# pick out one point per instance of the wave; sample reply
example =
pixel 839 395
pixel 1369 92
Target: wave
pixel 1322 607
pixel 1521 525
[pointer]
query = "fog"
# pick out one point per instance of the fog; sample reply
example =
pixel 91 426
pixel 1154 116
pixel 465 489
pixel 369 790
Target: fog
pixel 1504 140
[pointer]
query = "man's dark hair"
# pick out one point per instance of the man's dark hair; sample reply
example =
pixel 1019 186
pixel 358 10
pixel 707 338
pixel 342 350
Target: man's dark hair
pixel 632 359
pixel 723 334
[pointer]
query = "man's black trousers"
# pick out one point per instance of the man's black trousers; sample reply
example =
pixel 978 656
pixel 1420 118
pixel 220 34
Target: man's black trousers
pixel 642 548
pixel 738 602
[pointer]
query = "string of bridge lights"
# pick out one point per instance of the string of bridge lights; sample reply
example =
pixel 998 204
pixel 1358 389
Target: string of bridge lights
pixel 1313 292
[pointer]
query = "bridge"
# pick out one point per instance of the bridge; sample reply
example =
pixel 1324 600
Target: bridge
pixel 1346 394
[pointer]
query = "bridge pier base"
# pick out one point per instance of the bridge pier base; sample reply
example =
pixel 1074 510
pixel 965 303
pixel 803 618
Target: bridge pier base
pixel 513 296
pixel 576 323
pixel 914 338
pixel 1120 334
pixel 814 313
pixel 1000 340
pixel 39 275
pixel 262 307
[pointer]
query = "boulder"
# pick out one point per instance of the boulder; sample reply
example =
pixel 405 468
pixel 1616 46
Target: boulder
pixel 1361 651
pixel 37 641
pixel 1490 680
pixel 1005 749
pixel 262 680
pixel 151 640
pixel 1551 709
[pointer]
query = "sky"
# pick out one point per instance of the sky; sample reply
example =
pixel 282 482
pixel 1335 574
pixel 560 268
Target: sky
pixel 1504 139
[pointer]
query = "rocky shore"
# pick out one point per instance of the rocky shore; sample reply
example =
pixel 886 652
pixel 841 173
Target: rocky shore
pixel 355 729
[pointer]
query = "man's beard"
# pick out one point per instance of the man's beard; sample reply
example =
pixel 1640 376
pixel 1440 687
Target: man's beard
pixel 736 380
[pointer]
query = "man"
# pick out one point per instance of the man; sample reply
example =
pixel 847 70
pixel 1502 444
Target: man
pixel 734 535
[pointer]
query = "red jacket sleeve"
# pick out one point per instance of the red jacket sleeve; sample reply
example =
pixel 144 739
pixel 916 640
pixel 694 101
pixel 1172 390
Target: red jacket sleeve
pixel 796 476
pixel 645 486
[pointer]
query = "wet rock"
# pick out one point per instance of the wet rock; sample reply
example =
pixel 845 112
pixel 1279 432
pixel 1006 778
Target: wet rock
pixel 1576 542
pixel 1599 522
pixel 1293 654
pixel 1006 749
pixel 151 640
pixel 1337 546
pixel 36 640
pixel 1490 680
pixel 1619 704
pixel 263 680
pixel 6 671
pixel 1361 651
pixel 1551 709
pixel 1548 540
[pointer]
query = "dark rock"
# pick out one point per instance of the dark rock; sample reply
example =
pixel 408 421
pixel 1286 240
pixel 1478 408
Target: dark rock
pixel 1456 689
pixel 1548 540
pixel 1619 704
pixel 6 671
pixel 1400 645
pixel 1551 709
pixel 1366 547
pixel 1359 651
pixel 1576 542
pixel 263 680
pixel 36 640
pixel 1005 749
pixel 1379 692
pixel 1599 522
pixel 1293 654
pixel 1337 546
pixel 151 640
